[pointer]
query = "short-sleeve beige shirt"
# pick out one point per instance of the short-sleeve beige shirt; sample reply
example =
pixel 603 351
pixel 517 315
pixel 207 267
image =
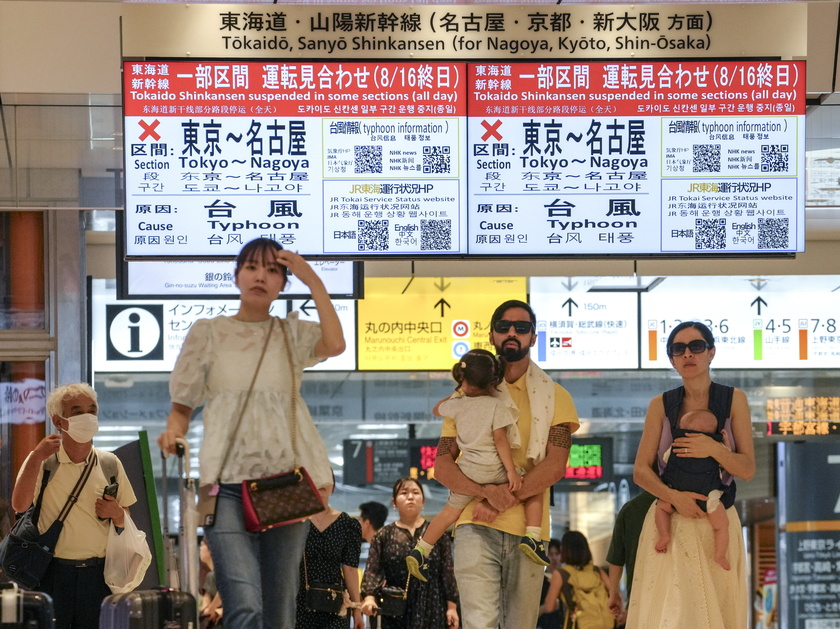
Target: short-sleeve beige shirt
pixel 84 535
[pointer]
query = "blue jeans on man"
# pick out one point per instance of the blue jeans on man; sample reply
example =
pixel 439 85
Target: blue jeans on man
pixel 498 585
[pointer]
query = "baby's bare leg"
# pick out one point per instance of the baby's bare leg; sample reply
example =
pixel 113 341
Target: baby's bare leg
pixel 662 517
pixel 720 523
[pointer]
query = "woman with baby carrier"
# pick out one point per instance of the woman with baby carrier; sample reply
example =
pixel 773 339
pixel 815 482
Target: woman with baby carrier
pixel 678 582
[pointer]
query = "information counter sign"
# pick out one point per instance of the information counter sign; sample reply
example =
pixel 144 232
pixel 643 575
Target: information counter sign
pixel 412 159
pixel 146 335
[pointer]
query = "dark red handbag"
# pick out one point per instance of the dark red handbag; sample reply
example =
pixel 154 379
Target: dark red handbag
pixel 279 500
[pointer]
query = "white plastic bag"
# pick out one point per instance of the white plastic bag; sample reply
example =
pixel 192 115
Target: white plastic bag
pixel 127 557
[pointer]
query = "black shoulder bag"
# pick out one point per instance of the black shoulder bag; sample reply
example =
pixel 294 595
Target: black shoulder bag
pixel 322 597
pixel 25 554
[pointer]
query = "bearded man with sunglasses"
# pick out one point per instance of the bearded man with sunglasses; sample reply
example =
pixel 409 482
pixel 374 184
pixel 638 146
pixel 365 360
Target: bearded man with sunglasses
pixel 499 586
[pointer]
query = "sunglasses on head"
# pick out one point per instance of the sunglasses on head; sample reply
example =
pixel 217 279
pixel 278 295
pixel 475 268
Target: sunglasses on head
pixel 521 327
pixel 697 346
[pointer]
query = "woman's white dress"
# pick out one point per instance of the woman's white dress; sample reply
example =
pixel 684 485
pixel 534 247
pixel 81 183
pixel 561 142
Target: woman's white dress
pixel 684 588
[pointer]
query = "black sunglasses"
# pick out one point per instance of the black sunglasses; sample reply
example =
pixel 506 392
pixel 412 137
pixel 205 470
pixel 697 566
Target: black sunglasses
pixel 521 327
pixel 697 346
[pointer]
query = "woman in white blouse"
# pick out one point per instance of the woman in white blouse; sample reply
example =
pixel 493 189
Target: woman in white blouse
pixel 256 573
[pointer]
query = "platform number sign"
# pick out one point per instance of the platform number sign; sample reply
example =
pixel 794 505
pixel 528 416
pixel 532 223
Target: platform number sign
pixel 135 332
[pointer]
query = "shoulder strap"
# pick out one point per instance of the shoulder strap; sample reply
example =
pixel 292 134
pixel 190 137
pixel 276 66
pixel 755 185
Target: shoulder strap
pixel 108 463
pixel 672 400
pixel 49 466
pixel 720 402
pixel 247 397
pixel 73 498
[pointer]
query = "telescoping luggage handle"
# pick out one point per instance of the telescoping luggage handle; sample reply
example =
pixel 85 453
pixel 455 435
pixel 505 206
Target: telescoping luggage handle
pixel 182 564
pixel 182 451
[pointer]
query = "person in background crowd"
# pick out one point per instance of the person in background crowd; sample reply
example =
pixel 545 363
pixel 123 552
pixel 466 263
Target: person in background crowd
pixel 581 585
pixel 75 579
pixel 685 587
pixel 430 605
pixel 332 554
pixel 499 586
pixel 372 516
pixel 256 573
pixel 210 605
pixel 554 619
pixel 622 552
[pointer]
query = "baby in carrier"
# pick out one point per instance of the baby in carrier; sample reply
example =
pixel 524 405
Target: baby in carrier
pixel 702 476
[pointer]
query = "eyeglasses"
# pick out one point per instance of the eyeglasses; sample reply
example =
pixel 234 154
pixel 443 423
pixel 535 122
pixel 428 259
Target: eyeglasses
pixel 697 346
pixel 521 327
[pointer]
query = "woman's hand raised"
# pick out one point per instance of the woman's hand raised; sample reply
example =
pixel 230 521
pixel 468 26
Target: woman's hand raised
pixel 297 266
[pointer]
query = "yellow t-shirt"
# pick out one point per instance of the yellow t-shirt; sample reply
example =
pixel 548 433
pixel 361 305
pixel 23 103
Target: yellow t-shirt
pixel 513 520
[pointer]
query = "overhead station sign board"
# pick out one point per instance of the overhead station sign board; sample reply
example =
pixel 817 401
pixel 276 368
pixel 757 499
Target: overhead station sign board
pixel 780 322
pixel 671 157
pixel 578 329
pixel 486 159
pixel 330 159
pixel 427 323
pixel 147 335
pixel 214 279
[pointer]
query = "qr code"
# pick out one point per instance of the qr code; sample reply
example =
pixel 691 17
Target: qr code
pixel 706 158
pixel 710 233
pixel 373 235
pixel 436 160
pixel 773 233
pixel 436 235
pixel 775 158
pixel 368 159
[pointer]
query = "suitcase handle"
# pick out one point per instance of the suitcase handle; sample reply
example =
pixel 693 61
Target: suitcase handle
pixel 11 603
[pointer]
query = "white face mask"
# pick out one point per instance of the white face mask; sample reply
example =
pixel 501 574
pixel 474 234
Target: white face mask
pixel 82 428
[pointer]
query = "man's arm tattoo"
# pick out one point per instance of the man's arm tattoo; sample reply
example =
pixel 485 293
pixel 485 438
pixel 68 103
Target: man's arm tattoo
pixel 559 436
pixel 447 446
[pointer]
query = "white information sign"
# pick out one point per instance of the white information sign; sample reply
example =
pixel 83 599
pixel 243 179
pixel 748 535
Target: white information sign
pixel 146 335
pixel 778 322
pixel 577 329
pixel 214 278
pixel 636 157
pixel 490 159
pixel 325 158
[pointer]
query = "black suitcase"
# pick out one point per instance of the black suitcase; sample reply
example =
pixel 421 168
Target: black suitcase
pixel 149 609
pixel 21 608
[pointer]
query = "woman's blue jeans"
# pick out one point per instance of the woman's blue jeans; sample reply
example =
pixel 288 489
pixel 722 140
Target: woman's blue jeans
pixel 257 573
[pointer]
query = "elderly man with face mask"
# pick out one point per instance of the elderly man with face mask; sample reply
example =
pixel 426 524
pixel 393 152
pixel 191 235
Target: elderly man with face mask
pixel 75 579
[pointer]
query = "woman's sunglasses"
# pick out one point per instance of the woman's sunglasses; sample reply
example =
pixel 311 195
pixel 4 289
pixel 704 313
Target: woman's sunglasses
pixel 696 347
pixel 521 327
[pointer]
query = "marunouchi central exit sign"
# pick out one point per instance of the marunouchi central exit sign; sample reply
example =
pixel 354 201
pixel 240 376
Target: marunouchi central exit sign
pixel 426 323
